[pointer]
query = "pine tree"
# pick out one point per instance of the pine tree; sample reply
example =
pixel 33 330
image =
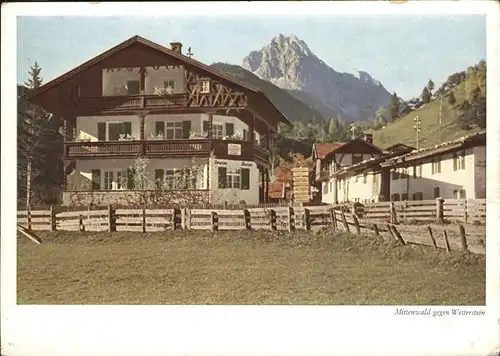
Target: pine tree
pixel 394 106
pixel 34 80
pixel 426 95
pixel 333 126
pixel 430 86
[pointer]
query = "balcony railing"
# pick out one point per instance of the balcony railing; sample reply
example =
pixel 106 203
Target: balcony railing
pixel 131 102
pixel 165 148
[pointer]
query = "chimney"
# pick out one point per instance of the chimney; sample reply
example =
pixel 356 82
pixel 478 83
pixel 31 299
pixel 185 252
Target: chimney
pixel 176 47
pixel 369 138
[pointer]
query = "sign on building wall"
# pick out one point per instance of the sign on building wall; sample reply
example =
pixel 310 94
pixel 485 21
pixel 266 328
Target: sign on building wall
pixel 234 149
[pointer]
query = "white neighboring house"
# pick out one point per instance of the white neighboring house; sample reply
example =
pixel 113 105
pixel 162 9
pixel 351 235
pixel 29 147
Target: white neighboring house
pixel 345 155
pixel 451 170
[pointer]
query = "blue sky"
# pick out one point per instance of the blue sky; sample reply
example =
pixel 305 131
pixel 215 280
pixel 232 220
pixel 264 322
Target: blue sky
pixel 401 51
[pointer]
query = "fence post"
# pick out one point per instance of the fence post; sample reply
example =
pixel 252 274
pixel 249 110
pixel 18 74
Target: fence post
pixel 111 219
pixel 183 218
pixel 188 218
pixel 307 219
pixel 291 225
pixel 52 219
pixel 272 219
pixel 143 222
pixel 432 237
pixel 333 217
pixel 448 248
pixel 465 211
pixel 81 226
pixel 375 229
pixel 356 224
pixel 439 210
pixel 463 238
pixel 175 211
pixel 214 219
pixel 394 217
pixel 246 215
pixel 397 235
pixel 344 220
pixel 28 217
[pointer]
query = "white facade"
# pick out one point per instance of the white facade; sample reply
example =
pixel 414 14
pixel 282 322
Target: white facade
pixel 87 126
pixel 448 180
pixel 343 160
pixel 362 188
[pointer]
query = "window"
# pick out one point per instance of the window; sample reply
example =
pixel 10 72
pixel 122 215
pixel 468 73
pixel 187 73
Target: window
pixel 458 161
pixel 436 192
pixel 169 84
pixel 133 87
pixel 331 186
pixel 365 178
pixel 205 86
pixel 356 179
pixel 395 174
pixel 417 171
pixel 113 180
pixel 395 197
pixel 173 130
pixel 217 131
pixel 357 158
pixel 403 173
pixel 404 197
pixel 459 194
pixel 115 130
pixel 374 178
pixel 436 167
pixel 418 196
pixel 234 178
pixel 175 178
pixel 325 188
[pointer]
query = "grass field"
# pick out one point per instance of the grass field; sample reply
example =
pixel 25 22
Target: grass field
pixel 242 268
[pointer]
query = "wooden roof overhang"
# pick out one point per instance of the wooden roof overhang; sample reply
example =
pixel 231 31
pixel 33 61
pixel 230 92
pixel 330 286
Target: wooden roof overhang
pixel 357 145
pixel 59 95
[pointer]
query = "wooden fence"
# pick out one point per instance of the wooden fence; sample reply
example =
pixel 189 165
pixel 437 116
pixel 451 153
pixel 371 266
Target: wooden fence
pixel 439 210
pixel 272 219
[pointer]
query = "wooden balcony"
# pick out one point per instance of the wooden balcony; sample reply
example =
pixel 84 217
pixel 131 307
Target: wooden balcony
pixel 124 103
pixel 226 149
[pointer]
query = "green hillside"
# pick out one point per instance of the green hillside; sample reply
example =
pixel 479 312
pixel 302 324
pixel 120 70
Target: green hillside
pixel 432 132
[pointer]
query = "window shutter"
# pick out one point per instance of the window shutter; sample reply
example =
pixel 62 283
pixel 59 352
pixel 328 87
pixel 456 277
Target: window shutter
pixel 101 131
pixel 186 129
pixel 455 161
pixel 96 179
pixel 222 177
pixel 159 175
pixel 130 178
pixel 245 179
pixel 229 129
pixel 127 128
pixel 160 127
pixel 245 135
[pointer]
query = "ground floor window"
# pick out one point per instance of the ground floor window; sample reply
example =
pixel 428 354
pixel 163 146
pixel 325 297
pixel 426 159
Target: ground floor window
pixel 235 178
pixel 437 192
pixel 418 196
pixel 459 194
pixel 113 180
pixel 175 178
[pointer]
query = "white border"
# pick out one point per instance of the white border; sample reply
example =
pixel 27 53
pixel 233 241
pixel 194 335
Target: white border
pixel 152 330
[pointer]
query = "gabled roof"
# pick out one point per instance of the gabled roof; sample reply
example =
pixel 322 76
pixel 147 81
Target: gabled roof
pixel 320 150
pixel 477 139
pixel 156 46
pixel 399 145
pixel 356 140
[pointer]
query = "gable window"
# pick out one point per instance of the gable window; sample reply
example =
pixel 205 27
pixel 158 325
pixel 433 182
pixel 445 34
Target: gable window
pixel 133 87
pixel 357 158
pixel 169 85
pixel 437 192
pixel 458 161
pixel 436 167
pixel 205 86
